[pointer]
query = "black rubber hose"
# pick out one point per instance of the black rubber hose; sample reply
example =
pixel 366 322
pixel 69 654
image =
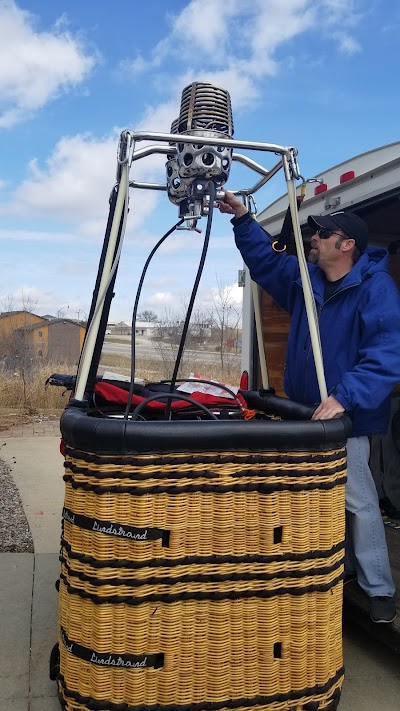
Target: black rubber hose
pixel 134 314
pixel 172 396
pixel 212 191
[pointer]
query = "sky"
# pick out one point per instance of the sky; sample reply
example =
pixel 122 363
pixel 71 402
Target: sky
pixel 319 75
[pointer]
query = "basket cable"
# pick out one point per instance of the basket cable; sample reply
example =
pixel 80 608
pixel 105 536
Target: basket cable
pixel 134 313
pixel 212 191
pixel 169 397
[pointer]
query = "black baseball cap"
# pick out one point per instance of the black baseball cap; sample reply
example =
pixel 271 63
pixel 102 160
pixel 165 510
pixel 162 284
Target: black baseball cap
pixel 351 224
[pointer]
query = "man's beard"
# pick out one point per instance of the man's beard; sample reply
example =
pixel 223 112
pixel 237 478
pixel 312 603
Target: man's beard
pixel 313 256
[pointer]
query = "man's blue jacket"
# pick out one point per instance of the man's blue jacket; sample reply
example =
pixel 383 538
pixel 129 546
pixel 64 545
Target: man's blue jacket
pixel 359 327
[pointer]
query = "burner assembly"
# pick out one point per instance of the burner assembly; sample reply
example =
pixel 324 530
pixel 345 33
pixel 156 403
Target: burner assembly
pixel 205 112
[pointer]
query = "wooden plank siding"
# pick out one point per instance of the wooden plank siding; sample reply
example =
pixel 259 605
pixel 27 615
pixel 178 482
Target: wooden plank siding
pixel 275 327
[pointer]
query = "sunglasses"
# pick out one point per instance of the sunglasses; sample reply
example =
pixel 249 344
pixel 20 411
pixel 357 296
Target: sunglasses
pixel 324 233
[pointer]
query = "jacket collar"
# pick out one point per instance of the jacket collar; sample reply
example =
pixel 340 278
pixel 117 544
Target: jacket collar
pixel 371 261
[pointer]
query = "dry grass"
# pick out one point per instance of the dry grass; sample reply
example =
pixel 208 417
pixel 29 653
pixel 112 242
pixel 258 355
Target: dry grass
pixel 153 369
pixel 28 394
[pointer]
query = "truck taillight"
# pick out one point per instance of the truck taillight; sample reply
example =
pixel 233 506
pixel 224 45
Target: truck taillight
pixel 347 176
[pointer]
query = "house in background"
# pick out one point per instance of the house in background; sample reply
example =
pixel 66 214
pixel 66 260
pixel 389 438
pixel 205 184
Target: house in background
pixel 10 323
pixel 57 340
pixel 121 329
pixel 145 328
pixel 27 335
pixel 142 328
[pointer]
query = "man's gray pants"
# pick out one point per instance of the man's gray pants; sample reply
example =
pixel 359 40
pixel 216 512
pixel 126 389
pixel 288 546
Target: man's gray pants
pixel 366 548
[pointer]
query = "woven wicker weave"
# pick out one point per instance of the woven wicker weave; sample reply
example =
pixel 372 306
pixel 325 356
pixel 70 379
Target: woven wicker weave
pixel 206 580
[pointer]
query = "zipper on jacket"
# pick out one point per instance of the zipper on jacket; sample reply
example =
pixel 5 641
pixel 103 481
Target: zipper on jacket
pixel 308 337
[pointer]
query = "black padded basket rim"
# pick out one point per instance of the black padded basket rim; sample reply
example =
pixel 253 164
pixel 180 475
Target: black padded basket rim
pixel 82 430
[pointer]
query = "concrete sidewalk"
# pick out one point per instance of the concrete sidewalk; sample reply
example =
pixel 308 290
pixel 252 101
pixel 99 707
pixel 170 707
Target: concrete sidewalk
pixel 28 598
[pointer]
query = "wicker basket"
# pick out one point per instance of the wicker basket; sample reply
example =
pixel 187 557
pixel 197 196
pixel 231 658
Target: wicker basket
pixel 201 578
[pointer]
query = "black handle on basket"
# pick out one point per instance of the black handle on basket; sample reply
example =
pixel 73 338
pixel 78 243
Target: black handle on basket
pixel 63 380
pixel 274 405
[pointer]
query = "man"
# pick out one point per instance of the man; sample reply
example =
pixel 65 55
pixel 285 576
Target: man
pixel 358 308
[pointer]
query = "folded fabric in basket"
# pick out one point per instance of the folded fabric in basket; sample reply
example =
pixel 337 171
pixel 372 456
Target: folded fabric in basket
pixel 118 394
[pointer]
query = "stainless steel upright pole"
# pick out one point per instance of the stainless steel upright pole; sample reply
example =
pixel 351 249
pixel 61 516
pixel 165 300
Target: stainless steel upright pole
pixel 305 279
pixel 109 265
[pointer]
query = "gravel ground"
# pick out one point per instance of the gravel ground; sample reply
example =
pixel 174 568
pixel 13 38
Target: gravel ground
pixel 15 535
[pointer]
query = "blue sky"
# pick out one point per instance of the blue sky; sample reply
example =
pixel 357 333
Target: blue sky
pixel 319 75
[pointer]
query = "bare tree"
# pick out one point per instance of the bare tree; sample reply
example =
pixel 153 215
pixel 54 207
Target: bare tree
pixel 167 337
pixel 226 317
pixel 16 347
pixel 147 315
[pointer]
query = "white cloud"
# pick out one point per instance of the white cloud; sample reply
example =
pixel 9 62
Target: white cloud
pixel 201 28
pixel 74 186
pixel 235 44
pixel 158 117
pixel 227 294
pixel 27 297
pixel 135 66
pixel 203 25
pixel 161 299
pixel 162 281
pixel 347 44
pixel 26 235
pixel 36 66
pixel 339 12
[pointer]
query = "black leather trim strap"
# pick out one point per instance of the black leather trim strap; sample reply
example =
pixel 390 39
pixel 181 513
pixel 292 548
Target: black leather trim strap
pixel 122 661
pixel 199 578
pixel 292 696
pixel 201 458
pixel 168 598
pixel 261 488
pixel 198 560
pixel 115 529
pixel 162 474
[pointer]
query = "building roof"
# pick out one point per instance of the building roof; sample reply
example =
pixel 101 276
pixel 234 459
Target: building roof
pixel 4 314
pixel 46 324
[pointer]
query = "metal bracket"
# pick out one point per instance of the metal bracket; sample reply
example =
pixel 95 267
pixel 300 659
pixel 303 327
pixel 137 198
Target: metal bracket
pixel 331 203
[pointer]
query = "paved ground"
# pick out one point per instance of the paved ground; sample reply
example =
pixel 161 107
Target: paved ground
pixel 36 426
pixel 28 599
